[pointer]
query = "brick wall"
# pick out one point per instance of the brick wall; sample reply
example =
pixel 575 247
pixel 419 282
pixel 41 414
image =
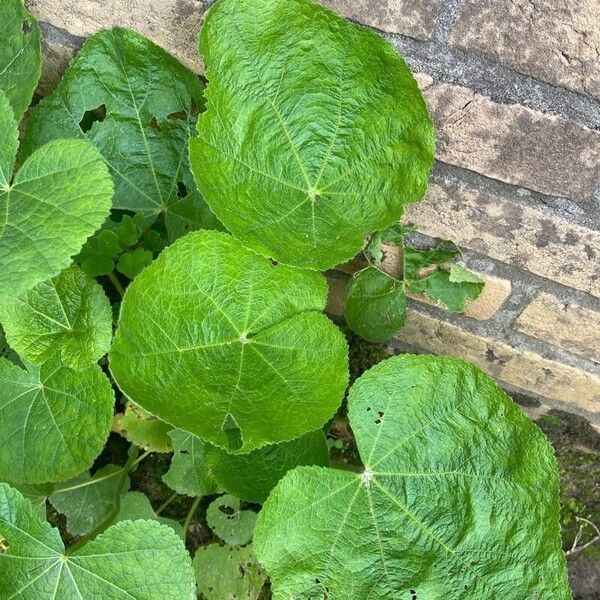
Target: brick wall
pixel 514 88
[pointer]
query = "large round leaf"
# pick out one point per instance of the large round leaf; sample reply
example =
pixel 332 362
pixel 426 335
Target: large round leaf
pixel 222 343
pixel 315 124
pixel 458 498
pixel 54 421
pixel 141 560
pixel 61 195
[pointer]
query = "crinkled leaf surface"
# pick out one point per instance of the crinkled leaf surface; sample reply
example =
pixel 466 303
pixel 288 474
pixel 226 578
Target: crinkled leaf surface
pixel 87 501
pixel 135 505
pixel 36 494
pixel 54 421
pixel 68 315
pixel 141 560
pixel 142 100
pixel 252 476
pixel 219 341
pixel 188 473
pixel 60 196
pixel 315 124
pixel 20 55
pixel 224 573
pixel 233 525
pixel 458 498
pixel 375 304
pixel 143 429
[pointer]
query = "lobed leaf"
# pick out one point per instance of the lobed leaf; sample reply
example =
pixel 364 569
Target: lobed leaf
pixel 233 525
pixel 458 497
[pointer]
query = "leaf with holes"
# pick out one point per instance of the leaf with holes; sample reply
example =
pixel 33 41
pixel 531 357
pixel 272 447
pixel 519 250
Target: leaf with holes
pixel 136 104
pixel 59 197
pixel 242 356
pixel 87 501
pixel 252 476
pixel 188 473
pixel 223 572
pixel 54 421
pixel 458 497
pixel 67 316
pixel 233 525
pixel 316 125
pixel 132 559
pixel 20 55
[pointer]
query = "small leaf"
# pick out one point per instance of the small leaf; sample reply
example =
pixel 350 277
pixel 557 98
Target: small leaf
pixel 54 421
pixel 459 274
pixel 129 229
pixel 131 264
pixel 451 294
pixel 224 572
pixel 99 253
pixel 135 505
pixel 416 260
pixel 20 55
pixel 88 501
pixel 143 429
pixel 232 525
pixel 252 476
pixel 189 473
pixel 132 559
pixel 375 304
pixel 68 315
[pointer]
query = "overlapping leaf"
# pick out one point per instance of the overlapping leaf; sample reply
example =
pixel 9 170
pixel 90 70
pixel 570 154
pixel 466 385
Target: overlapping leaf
pixel 132 559
pixel 20 55
pixel 458 497
pixel 143 429
pixel 315 131
pixel 67 316
pixel 60 196
pixel 54 421
pixel 136 104
pixel 229 522
pixel 135 505
pixel 217 340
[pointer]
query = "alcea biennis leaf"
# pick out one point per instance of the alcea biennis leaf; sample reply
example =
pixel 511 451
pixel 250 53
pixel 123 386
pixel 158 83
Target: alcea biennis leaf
pixel 229 522
pixel 54 421
pixel 59 197
pixel 20 55
pixel 143 429
pixel 67 316
pixel 219 341
pixel 135 505
pixel 317 126
pixel 443 507
pixel 136 104
pixel 132 559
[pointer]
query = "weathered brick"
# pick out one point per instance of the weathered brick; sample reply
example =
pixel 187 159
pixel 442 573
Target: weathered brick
pixel 415 18
pixel 521 369
pixel 56 60
pixel 513 143
pixel 173 24
pixel 512 233
pixel 566 325
pixel 551 40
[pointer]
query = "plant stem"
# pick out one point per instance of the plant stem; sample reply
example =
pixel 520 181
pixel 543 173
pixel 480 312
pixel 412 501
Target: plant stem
pixel 190 516
pixel 133 460
pixel 166 503
pixel 116 283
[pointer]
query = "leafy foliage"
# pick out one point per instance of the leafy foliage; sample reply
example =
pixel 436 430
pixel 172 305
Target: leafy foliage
pixel 232 524
pixel 143 429
pixel 316 125
pixel 138 559
pixel 59 197
pixel 442 507
pixel 242 344
pixel 135 505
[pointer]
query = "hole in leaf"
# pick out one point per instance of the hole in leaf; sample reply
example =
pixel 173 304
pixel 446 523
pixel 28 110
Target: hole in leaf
pixel 380 413
pixel 177 116
pixel 97 115
pixel 274 263
pixel 27 27
pixel 227 510
pixel 154 124
pixel 377 421
pixel 368 409
pixel 181 190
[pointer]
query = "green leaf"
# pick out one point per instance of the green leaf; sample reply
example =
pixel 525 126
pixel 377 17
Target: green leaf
pixel 129 229
pixel 188 473
pixel 20 55
pixel 416 260
pixel 135 103
pixel 458 497
pixel 232 525
pixel 88 501
pixel 131 264
pixel 36 494
pixel 143 429
pixel 252 476
pixel 54 421
pixel 189 213
pixel 317 126
pixel 61 195
pixel 216 340
pixel 97 257
pixel 135 505
pixel 132 559
pixel 375 304
pixel 67 316
pixel 223 572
